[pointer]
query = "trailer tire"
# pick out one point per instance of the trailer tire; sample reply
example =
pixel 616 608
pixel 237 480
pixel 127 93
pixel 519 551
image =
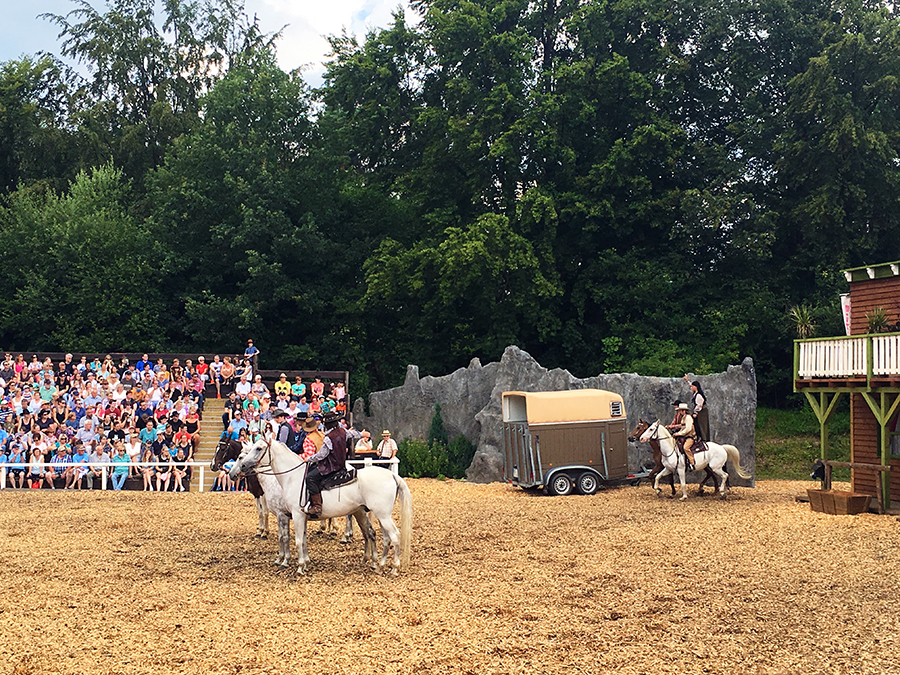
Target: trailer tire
pixel 560 485
pixel 588 483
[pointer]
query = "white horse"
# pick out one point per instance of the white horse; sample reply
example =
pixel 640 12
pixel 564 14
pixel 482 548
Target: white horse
pixel 715 456
pixel 269 498
pixel 375 490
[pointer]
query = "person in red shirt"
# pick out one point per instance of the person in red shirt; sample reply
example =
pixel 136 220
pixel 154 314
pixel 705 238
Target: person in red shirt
pixel 203 369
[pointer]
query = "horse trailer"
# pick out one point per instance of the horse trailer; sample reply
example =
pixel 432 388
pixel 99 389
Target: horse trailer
pixel 564 441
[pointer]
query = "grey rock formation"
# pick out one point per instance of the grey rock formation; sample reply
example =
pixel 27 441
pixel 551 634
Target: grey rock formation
pixel 470 405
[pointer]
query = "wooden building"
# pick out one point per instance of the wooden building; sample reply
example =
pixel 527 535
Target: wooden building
pixel 865 365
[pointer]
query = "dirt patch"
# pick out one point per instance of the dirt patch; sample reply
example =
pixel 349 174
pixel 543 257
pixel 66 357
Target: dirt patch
pixel 502 581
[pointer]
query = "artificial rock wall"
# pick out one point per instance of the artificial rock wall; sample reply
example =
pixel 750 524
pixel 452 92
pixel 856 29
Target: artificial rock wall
pixel 470 405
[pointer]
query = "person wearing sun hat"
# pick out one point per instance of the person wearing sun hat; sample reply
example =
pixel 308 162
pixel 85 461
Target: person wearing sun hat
pixel 387 449
pixel 282 387
pixel 688 433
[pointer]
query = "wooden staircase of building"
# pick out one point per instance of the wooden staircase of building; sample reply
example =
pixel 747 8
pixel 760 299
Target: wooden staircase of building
pixel 210 433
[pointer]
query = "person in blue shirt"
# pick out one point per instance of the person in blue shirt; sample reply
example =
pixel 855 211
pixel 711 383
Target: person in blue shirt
pixel 148 434
pixel 120 462
pixel 251 353
pixel 4 458
pixel 238 423
pixel 80 459
pixel 16 457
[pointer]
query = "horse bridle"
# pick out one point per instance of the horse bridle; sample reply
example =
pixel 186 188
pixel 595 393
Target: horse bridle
pixel 656 437
pixel 269 472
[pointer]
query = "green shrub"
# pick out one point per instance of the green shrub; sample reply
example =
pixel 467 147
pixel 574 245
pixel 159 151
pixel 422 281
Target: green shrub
pixel 437 435
pixel 460 453
pixel 418 460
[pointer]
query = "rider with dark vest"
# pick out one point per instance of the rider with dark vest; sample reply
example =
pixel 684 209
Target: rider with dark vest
pixel 331 458
pixel 285 433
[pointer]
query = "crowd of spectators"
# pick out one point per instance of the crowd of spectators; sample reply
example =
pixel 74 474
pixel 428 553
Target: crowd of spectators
pixel 61 424
pixel 250 405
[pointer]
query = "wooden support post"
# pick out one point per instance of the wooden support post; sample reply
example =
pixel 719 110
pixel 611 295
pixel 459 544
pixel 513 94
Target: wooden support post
pixel 823 409
pixel 883 412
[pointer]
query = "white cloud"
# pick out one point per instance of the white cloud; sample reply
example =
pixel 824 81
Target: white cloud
pixel 303 42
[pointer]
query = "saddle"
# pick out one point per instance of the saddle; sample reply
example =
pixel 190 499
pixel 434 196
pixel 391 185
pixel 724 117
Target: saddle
pixel 339 478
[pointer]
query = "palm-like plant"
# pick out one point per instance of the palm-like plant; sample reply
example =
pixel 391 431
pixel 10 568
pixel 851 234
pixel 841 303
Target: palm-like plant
pixel 804 321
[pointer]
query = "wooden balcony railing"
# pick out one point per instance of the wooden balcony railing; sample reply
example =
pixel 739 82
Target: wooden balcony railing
pixel 852 358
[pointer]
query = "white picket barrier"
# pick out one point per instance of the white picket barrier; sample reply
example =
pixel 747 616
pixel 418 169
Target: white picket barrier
pixel 105 468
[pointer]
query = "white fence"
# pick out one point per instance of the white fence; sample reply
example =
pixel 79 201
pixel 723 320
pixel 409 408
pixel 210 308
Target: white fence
pixel 886 355
pixel 846 357
pixel 392 464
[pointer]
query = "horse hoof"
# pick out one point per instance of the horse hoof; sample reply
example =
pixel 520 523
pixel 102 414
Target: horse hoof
pixel 683 499
pixel 263 536
pixel 723 497
pixel 345 540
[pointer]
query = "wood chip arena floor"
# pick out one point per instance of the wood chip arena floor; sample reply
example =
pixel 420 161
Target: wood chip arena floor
pixel 502 581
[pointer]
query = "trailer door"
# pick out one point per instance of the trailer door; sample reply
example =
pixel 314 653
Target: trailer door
pixel 522 465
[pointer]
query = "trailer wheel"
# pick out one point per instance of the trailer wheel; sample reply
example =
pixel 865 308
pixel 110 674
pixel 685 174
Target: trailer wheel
pixel 561 485
pixel 588 483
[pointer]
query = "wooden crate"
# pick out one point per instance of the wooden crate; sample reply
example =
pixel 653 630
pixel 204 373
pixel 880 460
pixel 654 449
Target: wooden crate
pixel 850 503
pixel 838 502
pixel 817 500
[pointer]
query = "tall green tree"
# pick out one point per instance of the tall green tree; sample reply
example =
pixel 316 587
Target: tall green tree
pixel 79 272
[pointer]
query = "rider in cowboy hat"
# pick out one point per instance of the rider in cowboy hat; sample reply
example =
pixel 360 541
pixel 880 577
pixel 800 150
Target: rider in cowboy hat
pixel 679 413
pixel 330 459
pixel 687 432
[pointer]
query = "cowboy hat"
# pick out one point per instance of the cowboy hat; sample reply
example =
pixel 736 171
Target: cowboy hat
pixel 310 424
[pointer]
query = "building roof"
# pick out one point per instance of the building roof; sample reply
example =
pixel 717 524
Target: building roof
pixel 574 405
pixel 879 271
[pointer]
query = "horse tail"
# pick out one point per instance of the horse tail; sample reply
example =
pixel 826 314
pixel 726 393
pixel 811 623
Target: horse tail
pixel 406 521
pixel 735 456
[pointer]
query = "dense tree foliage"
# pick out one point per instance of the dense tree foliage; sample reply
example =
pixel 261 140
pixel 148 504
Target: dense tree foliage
pixel 642 185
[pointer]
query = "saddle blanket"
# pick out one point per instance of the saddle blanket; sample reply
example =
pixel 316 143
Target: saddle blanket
pixel 339 478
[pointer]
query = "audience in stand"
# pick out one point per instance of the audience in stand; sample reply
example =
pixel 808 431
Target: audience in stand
pixel 66 424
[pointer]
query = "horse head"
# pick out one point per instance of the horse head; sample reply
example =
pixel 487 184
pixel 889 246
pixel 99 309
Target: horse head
pixel 650 433
pixel 638 430
pixel 226 450
pixel 250 457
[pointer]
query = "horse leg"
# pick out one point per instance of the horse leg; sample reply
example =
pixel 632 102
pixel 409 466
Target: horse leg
pixel 681 470
pixel 348 531
pixel 262 513
pixel 662 474
pixel 724 478
pixel 284 540
pixel 300 535
pixel 392 535
pixel 707 475
pixel 370 552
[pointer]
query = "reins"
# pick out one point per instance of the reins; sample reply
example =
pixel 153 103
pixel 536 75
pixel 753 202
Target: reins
pixel 656 437
pixel 269 472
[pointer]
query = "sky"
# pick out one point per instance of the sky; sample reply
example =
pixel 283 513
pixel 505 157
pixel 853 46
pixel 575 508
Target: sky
pixel 302 44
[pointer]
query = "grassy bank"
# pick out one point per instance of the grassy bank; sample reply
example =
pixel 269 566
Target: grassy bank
pixel 787 442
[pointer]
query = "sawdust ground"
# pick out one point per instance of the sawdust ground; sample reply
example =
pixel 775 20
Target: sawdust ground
pixel 502 581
